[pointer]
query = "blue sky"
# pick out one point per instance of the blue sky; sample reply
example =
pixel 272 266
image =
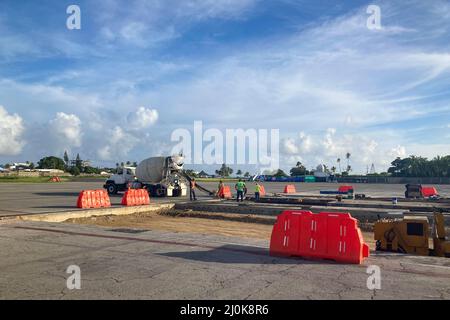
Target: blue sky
pixel 116 89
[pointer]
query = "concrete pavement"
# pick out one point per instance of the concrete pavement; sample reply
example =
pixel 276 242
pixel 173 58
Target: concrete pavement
pixel 126 264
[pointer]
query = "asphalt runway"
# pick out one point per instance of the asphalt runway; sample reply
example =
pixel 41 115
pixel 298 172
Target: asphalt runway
pixel 30 198
pixel 163 265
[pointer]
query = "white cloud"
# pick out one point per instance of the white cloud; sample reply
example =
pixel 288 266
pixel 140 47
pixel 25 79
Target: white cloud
pixel 136 34
pixel 11 130
pixel 305 142
pixel 148 23
pixel 294 147
pixel 397 152
pixel 326 147
pixel 222 9
pixel 289 146
pixel 142 118
pixel 118 144
pixel 67 128
pixel 36 99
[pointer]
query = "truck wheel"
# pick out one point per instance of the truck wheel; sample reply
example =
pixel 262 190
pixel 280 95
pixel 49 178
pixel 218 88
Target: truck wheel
pixel 112 189
pixel 378 245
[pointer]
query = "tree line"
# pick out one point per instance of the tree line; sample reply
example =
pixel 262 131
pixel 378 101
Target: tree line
pixel 414 166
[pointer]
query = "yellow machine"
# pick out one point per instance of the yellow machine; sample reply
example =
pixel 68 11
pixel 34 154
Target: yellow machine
pixel 411 235
pixel 441 244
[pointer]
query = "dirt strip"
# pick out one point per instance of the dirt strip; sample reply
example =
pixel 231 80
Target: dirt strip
pixel 226 224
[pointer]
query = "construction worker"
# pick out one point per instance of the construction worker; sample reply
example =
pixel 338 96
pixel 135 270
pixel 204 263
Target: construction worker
pixel 192 188
pixel 240 187
pixel 257 191
pixel 220 187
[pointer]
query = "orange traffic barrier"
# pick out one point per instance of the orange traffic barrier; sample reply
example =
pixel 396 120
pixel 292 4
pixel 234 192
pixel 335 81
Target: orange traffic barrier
pixel 225 192
pixel 429 192
pixel 135 197
pixel 290 188
pixel 262 191
pixel 333 236
pixel 93 199
pixel 345 189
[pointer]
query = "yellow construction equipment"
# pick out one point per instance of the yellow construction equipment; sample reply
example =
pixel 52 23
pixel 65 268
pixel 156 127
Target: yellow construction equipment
pixel 411 235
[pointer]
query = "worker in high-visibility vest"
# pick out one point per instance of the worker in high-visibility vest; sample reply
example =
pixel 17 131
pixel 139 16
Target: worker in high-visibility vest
pixel 257 191
pixel 240 187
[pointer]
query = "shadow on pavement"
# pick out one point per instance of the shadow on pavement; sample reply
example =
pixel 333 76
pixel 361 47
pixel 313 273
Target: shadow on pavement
pixel 239 254
pixel 57 194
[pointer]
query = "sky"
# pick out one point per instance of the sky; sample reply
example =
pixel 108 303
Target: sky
pixel 117 88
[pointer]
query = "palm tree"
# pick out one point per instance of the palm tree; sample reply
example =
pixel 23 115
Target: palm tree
pixel 339 164
pixel 347 155
pixel 333 169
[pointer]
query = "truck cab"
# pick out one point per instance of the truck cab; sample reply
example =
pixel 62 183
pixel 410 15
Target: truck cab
pixel 120 180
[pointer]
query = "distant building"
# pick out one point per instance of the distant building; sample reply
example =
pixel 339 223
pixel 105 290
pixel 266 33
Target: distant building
pixel 20 166
pixel 203 174
pixel 52 171
pixel 321 173
pixel 84 163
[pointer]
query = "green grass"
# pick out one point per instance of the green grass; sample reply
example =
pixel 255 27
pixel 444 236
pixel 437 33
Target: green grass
pixel 16 179
pixel 12 179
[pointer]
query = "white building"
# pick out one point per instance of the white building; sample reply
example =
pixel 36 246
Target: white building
pixel 20 166
pixel 321 172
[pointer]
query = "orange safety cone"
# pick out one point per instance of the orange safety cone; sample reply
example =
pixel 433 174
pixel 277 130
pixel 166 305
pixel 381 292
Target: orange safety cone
pixel 225 192
pixel 289 188
pixel 262 191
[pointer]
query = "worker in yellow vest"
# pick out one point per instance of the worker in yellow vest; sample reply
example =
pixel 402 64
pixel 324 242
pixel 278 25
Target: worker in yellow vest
pixel 257 191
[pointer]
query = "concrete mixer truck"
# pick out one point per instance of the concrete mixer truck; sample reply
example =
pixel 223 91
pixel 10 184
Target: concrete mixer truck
pixel 161 176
